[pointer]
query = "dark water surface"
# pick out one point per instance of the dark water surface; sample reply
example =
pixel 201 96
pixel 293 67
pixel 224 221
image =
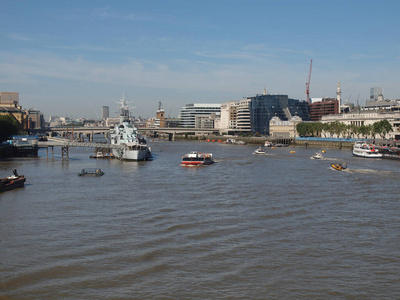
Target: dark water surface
pixel 275 226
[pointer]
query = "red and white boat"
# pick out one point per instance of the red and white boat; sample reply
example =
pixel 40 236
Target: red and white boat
pixel 12 182
pixel 195 158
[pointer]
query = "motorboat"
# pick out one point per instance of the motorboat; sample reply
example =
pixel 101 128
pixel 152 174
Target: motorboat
pixel 12 182
pixel 125 134
pixel 195 158
pixel 317 155
pixel 362 149
pixel 91 172
pixel 339 167
pixel 100 154
pixel 260 150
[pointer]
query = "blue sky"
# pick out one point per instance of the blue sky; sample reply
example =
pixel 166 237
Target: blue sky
pixel 69 58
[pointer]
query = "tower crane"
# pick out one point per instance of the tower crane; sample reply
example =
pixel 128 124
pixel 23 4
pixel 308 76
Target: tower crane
pixel 308 84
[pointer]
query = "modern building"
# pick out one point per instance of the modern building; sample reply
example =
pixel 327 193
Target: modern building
pixel 264 107
pixel 189 112
pixel 9 99
pixel 229 112
pixel 243 122
pixel 327 106
pixel 105 112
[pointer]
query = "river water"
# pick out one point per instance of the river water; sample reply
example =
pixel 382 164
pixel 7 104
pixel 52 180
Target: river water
pixel 274 226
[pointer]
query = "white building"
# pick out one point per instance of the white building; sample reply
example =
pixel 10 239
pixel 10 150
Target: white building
pixel 368 118
pixel 243 115
pixel 229 115
pixel 190 111
pixel 283 129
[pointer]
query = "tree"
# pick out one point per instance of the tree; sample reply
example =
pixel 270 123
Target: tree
pixel 8 127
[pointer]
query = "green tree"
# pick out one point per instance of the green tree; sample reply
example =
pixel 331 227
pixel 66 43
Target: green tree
pixel 8 127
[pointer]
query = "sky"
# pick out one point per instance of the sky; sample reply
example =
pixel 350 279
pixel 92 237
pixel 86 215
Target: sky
pixel 70 58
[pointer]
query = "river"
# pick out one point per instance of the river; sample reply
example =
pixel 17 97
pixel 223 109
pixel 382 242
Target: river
pixel 274 226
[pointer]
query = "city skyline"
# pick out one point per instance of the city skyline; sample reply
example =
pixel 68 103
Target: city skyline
pixel 73 58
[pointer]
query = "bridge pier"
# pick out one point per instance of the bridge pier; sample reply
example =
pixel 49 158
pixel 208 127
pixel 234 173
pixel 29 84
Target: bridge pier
pixel 171 136
pixel 64 153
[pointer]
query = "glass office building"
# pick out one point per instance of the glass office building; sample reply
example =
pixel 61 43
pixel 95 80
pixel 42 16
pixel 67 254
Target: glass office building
pixel 264 107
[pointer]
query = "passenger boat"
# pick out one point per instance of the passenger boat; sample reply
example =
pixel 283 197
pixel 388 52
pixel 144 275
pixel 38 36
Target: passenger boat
pixel 317 155
pixel 362 149
pixel 195 158
pixel 133 146
pixel 91 172
pixel 339 167
pixel 12 182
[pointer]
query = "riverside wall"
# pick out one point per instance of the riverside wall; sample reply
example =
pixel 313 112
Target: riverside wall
pixel 262 140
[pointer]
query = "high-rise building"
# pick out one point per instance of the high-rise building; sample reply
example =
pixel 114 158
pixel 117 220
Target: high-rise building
pixel 264 107
pixel 105 112
pixel 243 115
pixel 375 92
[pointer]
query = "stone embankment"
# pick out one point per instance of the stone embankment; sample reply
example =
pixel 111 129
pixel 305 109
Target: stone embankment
pixel 262 140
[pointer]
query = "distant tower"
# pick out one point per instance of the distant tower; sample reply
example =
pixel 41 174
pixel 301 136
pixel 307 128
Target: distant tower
pixel 339 96
pixel 265 91
pixel 375 92
pixel 105 112
pixel 160 116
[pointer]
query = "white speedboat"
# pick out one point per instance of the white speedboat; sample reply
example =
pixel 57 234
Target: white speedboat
pixel 362 149
pixel 260 150
pixel 317 155
pixel 131 145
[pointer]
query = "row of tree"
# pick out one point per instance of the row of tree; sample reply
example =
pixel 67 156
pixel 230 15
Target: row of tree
pixel 8 127
pixel 341 130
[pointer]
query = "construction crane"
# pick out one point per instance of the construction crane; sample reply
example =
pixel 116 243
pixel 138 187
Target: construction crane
pixel 308 84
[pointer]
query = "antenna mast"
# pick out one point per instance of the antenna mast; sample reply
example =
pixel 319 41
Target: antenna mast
pixel 308 84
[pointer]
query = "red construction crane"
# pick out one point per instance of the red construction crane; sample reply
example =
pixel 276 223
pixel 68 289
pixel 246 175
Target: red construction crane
pixel 308 84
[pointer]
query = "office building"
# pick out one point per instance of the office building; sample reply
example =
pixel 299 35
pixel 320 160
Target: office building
pixel 264 107
pixel 189 112
pixel 9 99
pixel 105 112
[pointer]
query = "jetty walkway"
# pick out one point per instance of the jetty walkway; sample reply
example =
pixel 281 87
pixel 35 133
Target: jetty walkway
pixel 65 144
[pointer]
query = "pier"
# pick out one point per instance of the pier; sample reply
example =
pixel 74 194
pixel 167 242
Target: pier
pixel 65 144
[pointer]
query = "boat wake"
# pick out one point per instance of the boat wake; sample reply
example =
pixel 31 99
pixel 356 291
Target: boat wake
pixel 368 171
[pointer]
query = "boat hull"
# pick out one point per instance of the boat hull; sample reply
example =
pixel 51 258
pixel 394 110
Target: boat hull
pixel 144 154
pixel 367 155
pixel 8 185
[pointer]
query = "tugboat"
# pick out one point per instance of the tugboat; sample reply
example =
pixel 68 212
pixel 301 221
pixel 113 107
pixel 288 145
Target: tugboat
pixel 133 146
pixel 195 158
pixel 12 182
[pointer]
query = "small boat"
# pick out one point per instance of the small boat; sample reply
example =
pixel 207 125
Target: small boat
pixel 12 182
pixel 101 155
pixel 260 150
pixel 339 167
pixel 362 149
pixel 268 144
pixel 195 158
pixel 317 155
pixel 91 172
pixel 241 143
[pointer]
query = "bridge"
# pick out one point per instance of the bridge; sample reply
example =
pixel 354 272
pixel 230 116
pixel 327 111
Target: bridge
pixel 90 131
